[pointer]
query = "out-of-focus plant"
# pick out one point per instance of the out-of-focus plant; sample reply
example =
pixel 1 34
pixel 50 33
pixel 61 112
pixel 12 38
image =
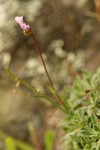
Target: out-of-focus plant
pixel 49 139
pixel 11 143
pixel 80 103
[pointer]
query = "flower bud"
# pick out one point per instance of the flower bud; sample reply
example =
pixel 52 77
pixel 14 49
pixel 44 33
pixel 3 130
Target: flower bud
pixel 25 27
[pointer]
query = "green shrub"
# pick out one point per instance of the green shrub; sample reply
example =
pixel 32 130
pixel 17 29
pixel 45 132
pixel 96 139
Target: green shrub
pixel 82 124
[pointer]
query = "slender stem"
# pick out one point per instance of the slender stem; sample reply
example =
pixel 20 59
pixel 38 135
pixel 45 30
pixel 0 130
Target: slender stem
pixel 34 136
pixel 51 83
pixel 39 52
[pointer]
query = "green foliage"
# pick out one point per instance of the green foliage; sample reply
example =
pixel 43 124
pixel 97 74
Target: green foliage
pixel 82 124
pixel 22 145
pixel 10 143
pixel 14 144
pixel 82 121
pixel 49 140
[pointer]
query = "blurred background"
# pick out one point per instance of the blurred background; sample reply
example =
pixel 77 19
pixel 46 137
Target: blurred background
pixel 68 33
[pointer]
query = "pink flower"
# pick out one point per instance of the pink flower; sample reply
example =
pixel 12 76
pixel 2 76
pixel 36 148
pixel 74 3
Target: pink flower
pixel 22 24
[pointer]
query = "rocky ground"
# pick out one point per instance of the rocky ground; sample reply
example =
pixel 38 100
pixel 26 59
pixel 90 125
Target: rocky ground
pixel 68 33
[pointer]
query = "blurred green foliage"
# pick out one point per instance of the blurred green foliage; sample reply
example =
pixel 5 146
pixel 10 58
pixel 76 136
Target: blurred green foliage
pixel 11 143
pixel 49 140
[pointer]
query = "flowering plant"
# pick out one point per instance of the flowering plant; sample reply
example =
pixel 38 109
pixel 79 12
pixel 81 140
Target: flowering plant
pixel 80 103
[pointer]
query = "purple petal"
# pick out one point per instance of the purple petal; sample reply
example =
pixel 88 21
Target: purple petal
pixel 19 20
pixel 24 26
